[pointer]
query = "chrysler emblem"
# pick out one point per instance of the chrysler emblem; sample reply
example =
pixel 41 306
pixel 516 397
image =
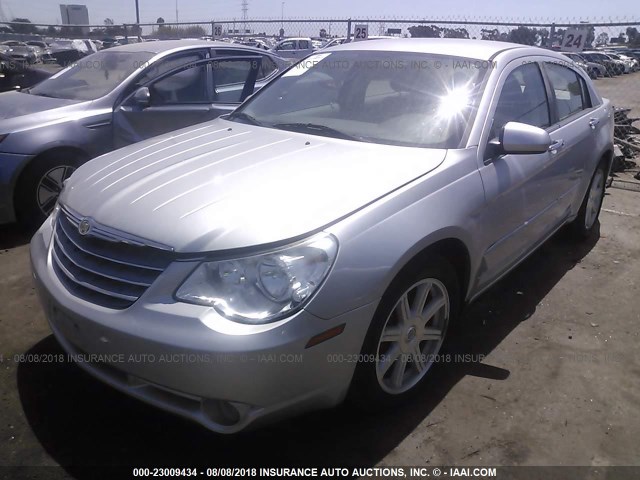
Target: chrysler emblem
pixel 84 227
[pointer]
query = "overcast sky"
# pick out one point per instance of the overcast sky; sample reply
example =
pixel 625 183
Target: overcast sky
pixel 48 11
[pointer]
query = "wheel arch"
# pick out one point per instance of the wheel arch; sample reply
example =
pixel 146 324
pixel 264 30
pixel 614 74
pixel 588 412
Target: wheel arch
pixel 451 249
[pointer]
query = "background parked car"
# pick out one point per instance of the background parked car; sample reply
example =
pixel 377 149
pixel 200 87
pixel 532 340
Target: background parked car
pixel 45 49
pixel 630 65
pixel 16 75
pixel 612 66
pixel 113 98
pixel 293 48
pixel 594 70
pixel 68 51
pixel 109 42
pixel 22 52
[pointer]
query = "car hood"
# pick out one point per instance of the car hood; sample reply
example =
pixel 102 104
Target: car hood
pixel 224 185
pixel 18 104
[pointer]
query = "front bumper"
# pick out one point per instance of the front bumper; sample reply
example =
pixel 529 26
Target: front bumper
pixel 188 360
pixel 11 164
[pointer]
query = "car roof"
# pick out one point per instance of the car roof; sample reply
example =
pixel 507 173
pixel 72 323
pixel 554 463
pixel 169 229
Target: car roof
pixel 167 45
pixel 458 47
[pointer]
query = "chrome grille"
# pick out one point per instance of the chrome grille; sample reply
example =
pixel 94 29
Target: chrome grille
pixel 103 267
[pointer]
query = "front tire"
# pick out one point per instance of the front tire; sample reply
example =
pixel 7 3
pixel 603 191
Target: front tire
pixel 39 186
pixel 406 334
pixel 587 220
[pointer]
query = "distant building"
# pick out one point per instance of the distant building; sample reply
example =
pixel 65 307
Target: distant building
pixel 75 15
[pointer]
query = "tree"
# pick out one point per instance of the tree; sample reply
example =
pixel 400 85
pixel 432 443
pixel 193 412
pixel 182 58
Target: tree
pixel 602 39
pixel 633 35
pixel 160 21
pixel 523 35
pixel 108 22
pixel 487 34
pixel 455 33
pixel 23 25
pixel 425 31
pixel 323 33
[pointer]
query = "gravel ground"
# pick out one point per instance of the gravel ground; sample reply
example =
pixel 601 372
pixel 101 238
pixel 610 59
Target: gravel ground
pixel 558 384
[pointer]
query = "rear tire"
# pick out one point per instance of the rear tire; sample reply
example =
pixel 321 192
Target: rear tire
pixel 406 334
pixel 587 220
pixel 40 184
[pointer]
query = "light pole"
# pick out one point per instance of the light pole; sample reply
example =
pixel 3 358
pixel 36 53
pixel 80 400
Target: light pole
pixel 177 11
pixel 282 16
pixel 137 13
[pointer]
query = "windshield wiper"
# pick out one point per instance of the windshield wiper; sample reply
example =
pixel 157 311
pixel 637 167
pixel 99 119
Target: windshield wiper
pixel 246 117
pixel 317 129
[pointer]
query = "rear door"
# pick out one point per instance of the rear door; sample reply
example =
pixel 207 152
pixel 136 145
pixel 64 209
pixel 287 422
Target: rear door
pixel 576 127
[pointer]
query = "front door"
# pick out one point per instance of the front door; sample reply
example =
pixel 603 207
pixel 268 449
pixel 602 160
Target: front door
pixel 185 96
pixel 519 189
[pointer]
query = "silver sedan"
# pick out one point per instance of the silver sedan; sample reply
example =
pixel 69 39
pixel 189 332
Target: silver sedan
pixel 318 243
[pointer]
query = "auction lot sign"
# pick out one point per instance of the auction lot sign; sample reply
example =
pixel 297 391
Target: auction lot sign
pixel 574 40
pixel 361 32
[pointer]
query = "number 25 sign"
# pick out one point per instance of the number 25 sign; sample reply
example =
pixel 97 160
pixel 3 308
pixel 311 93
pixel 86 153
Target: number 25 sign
pixel 361 32
pixel 574 40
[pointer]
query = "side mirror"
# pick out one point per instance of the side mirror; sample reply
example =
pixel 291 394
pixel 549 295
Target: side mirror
pixel 521 139
pixel 142 97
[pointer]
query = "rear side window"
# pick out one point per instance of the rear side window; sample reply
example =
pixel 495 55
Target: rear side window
pixel 568 89
pixel 303 44
pixel 523 99
pixel 267 67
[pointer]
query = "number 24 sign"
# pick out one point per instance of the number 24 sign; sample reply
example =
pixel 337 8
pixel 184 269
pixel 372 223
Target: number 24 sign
pixel 574 40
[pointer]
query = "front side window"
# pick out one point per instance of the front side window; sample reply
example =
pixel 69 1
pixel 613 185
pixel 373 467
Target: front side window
pixel 93 76
pixel 394 98
pixel 523 99
pixel 567 90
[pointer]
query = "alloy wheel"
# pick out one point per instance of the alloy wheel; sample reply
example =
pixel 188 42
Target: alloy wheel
pixel 412 336
pixel 50 186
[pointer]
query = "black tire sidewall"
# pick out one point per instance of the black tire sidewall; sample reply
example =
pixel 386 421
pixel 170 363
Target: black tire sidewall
pixel 578 225
pixel 365 391
pixel 27 209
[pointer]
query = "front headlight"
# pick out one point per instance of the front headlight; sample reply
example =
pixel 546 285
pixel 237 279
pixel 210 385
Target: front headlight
pixel 262 288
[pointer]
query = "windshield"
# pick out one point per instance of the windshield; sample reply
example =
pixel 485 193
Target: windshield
pixel 395 98
pixel 93 76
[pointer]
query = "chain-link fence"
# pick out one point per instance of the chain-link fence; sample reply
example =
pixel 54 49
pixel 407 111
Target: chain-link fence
pixel 546 33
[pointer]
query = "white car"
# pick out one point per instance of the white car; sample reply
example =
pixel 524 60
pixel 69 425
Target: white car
pixel 294 48
pixel 317 243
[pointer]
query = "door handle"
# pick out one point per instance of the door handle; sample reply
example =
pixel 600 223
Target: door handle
pixel 593 123
pixel 555 146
